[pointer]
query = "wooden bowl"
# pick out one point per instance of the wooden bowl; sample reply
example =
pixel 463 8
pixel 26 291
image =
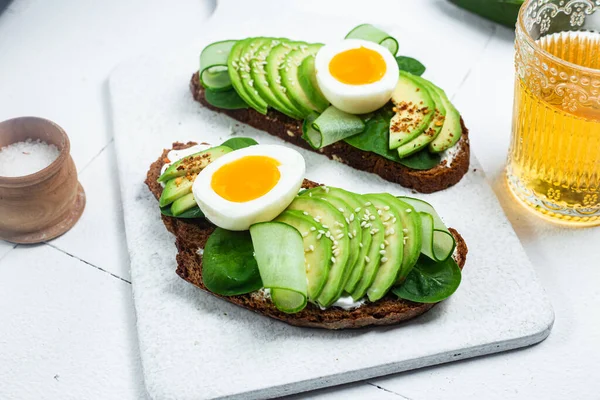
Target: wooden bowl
pixel 41 206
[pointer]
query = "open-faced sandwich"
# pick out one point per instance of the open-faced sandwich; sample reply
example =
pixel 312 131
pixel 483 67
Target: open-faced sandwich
pixel 250 229
pixel 354 101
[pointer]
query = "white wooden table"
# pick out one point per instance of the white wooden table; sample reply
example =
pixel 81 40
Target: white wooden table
pixel 67 325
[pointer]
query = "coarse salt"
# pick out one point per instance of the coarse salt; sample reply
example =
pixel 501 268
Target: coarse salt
pixel 25 158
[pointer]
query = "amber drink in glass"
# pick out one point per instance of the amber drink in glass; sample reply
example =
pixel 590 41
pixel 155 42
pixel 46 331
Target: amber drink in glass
pixel 554 159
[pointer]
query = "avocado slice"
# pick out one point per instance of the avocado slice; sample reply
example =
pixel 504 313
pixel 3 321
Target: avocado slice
pixel 183 204
pixel 360 242
pixel 307 77
pixel 259 77
pixel 414 108
pixel 194 163
pixel 275 62
pixel 238 70
pixel 317 252
pixel 341 199
pixel 411 234
pixel 434 128
pixel 392 250
pixel 290 78
pixel 373 228
pixel 248 54
pixel 452 129
pixel 174 189
pixel 330 219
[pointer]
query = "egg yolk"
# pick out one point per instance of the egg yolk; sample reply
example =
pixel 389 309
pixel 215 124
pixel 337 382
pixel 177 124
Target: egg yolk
pixel 358 66
pixel 246 179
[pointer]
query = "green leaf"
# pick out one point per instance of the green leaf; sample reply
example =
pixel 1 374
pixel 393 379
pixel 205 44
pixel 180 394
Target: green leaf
pixel 430 282
pixel 191 213
pixel 411 65
pixel 237 143
pixel 504 12
pixel 228 264
pixel 226 99
pixel 375 138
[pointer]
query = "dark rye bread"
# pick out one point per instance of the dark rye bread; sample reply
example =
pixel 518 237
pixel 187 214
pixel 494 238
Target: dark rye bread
pixel 290 130
pixel 191 235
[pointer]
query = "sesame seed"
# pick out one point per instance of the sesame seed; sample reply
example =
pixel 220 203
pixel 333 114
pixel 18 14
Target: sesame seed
pixel 304 234
pixel 326 189
pixel 408 210
pixel 386 242
pixel 360 245
pixel 367 259
pixel 310 194
pixel 341 235
pixel 312 229
pixel 368 204
pixel 353 232
pixel 349 235
pixel 372 218
pixel 335 242
pixel 379 212
pixel 341 209
pixel 390 231
pixel 322 232
pixel 351 218
pixel 338 230
pixel 328 234
pixel 336 252
pixel 383 259
pixel 394 220
pixel 382 246
pixel 311 247
pixel 337 223
pixel 405 230
pixel 382 252
pixel 347 221
pixel 368 226
pixel 333 260
pixel 362 224
pixel 357 209
pixel 325 226
pixel 305 213
pixel 386 208
pixel 319 236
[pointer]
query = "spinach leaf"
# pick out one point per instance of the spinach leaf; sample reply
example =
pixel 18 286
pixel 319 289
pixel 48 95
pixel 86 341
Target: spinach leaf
pixel 411 65
pixel 226 99
pixel 430 282
pixel 228 264
pixel 191 213
pixel 375 138
pixel 237 143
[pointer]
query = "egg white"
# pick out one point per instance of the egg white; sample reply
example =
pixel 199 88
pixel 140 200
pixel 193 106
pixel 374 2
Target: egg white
pixel 239 216
pixel 356 99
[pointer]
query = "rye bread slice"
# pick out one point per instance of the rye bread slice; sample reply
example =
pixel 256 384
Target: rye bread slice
pixel 290 130
pixel 191 235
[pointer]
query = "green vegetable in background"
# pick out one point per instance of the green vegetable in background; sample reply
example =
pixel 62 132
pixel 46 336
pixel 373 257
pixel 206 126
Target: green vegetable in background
pixel 411 65
pixel 504 12
pixel 228 264
pixel 237 143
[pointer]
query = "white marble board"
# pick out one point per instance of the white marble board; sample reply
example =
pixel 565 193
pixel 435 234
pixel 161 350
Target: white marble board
pixel 194 346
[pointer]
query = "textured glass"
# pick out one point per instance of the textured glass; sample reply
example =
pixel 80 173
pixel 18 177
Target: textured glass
pixel 554 159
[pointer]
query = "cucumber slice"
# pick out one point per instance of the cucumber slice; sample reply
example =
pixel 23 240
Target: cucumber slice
pixel 414 110
pixel 307 77
pixel 275 62
pixel 433 129
pixel 226 99
pixel 437 243
pixel 452 129
pixel 279 253
pixel 238 70
pixel 174 189
pixel 290 77
pixel 213 65
pixel 330 127
pixel 330 218
pixel 392 252
pixel 183 204
pixel 317 251
pixel 194 163
pixel 376 35
pixel 259 76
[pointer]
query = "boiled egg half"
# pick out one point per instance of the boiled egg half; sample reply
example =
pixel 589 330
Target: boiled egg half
pixel 250 185
pixel 356 76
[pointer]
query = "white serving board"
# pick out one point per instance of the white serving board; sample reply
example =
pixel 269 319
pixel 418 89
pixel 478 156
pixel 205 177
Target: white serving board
pixel 195 346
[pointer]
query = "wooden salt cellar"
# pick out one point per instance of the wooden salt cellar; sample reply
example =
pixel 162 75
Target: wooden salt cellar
pixel 41 206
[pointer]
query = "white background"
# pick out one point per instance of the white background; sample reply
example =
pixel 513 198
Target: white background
pixel 67 325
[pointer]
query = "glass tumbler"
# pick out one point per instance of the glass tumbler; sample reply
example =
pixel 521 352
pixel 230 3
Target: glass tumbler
pixel 553 163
